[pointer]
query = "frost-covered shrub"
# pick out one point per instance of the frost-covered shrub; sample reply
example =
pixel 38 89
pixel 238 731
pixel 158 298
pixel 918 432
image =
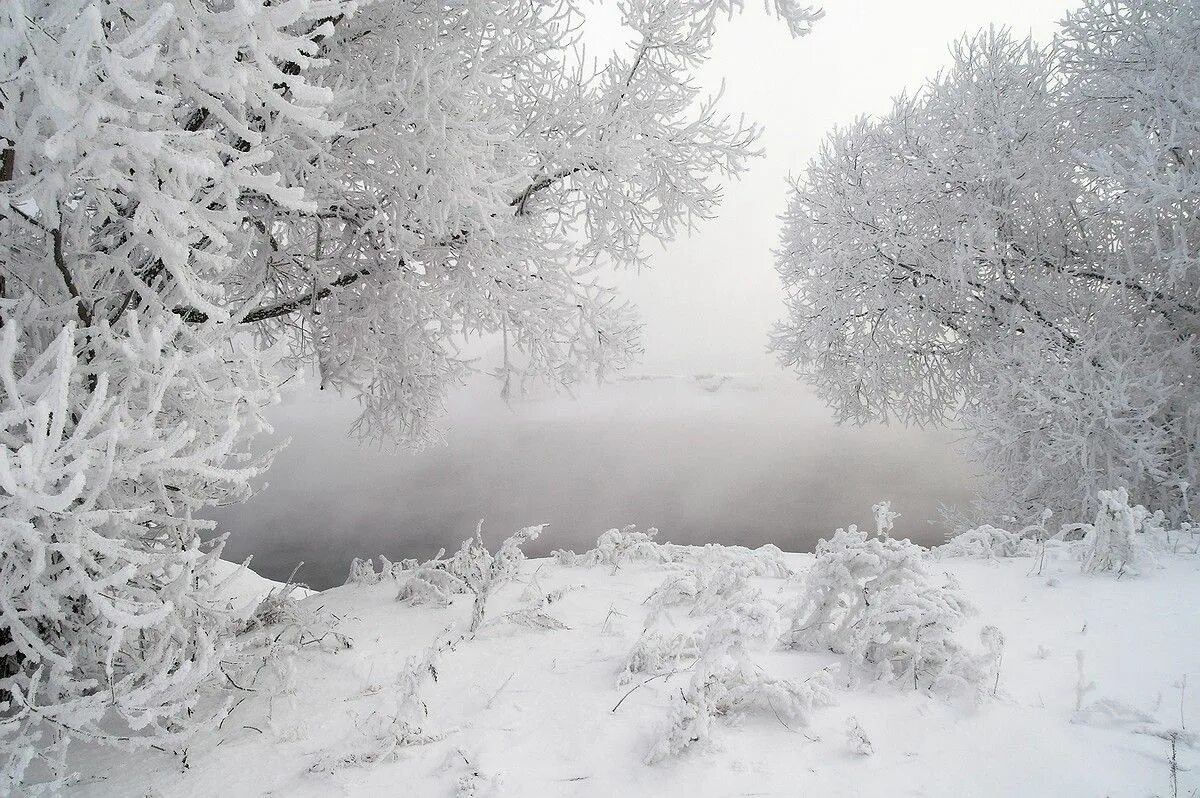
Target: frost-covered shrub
pixel 281 619
pixel 876 601
pixel 990 542
pixel 472 569
pixel 428 583
pixel 617 547
pixel 766 560
pixel 659 653
pixel 857 739
pixel 401 722
pixel 269 640
pixel 726 681
pixel 986 542
pixel 482 572
pixel 885 518
pixel 535 605
pixel 1119 538
pixel 711 584
pixel 110 627
pixel 362 572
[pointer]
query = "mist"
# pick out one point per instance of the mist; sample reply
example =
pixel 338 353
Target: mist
pixel 747 460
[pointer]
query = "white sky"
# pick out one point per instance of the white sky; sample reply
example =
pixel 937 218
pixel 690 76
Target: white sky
pixel 711 298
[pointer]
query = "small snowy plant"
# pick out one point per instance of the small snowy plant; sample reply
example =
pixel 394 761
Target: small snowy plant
pixel 658 654
pixel 885 519
pixel 726 681
pixel 857 739
pixel 616 547
pixel 986 542
pixel 876 601
pixel 387 731
pixel 534 610
pixel 1118 539
pixel 483 572
pixel 705 588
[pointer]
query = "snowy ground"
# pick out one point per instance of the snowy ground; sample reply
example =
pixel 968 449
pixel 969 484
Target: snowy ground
pixel 533 712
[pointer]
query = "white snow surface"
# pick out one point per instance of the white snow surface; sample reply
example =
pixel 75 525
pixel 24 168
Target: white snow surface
pixel 530 712
pixel 244 588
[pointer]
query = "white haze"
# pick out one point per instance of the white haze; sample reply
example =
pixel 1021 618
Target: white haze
pixel 734 465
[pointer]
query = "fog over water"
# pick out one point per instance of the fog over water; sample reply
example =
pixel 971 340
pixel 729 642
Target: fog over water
pixel 757 460
pixel 749 460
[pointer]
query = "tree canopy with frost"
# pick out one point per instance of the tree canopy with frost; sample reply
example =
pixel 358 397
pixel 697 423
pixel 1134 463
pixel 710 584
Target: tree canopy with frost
pixel 1015 247
pixel 197 197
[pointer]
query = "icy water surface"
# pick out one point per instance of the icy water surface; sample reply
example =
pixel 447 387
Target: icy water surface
pixel 741 460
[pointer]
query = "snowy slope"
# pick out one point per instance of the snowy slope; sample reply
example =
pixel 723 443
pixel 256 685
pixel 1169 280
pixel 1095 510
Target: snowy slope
pixel 242 587
pixel 530 712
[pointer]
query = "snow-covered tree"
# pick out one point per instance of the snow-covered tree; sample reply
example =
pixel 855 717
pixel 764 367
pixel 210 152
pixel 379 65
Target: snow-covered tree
pixel 1015 248
pixel 190 192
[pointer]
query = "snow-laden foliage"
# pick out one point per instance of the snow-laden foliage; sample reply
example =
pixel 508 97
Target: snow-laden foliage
pixel 1016 248
pixel 990 542
pixel 534 609
pixel 186 188
pixel 707 586
pixel 737 623
pixel 885 518
pixel 877 601
pixel 617 547
pixel 387 731
pixel 659 653
pixel 726 681
pixel 987 542
pixel 857 739
pixel 482 572
pixel 1120 537
pixel 428 583
pixel 472 569
pixel 109 626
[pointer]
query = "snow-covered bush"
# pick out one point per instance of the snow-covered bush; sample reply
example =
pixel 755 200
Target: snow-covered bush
pixel 1120 537
pixel 109 625
pixel 472 569
pixel 713 583
pixel 726 681
pixel 402 722
pixel 659 653
pixel 482 572
pixel 876 601
pixel 885 518
pixel 857 739
pixel 617 547
pixel 533 611
pixel 427 583
pixel 987 542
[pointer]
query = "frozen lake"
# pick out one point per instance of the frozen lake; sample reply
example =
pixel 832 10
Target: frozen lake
pixel 743 460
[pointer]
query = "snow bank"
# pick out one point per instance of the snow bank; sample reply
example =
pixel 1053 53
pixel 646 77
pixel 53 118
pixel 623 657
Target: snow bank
pixel 1094 677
